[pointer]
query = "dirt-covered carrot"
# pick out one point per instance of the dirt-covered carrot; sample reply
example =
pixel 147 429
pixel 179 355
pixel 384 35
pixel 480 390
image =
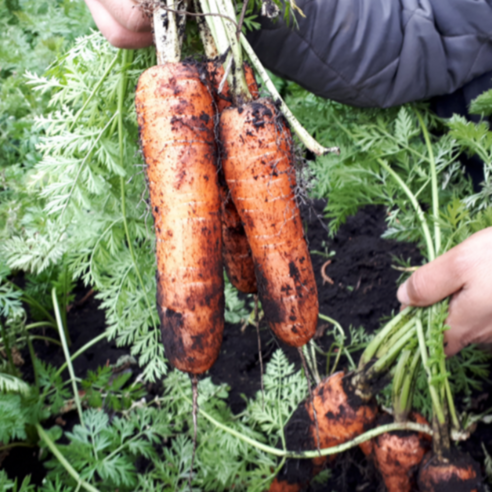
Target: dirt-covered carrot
pixel 341 417
pixel 454 471
pixel 397 455
pixel 175 116
pixel 257 163
pixel 236 252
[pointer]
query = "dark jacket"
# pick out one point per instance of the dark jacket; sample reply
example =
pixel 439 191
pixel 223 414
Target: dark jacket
pixel 382 52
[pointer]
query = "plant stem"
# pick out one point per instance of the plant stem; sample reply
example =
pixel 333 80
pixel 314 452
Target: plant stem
pixel 8 351
pixel 94 92
pixel 67 356
pixel 420 214
pixel 33 357
pixel 166 36
pixel 127 58
pixel 385 361
pixel 59 456
pixel 435 192
pixel 436 404
pixel 300 131
pixel 449 397
pixel 322 452
pixel 392 338
pixel 81 350
pixel 41 324
pixel 385 332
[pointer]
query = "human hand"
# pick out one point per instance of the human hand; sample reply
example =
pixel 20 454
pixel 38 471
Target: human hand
pixel 122 23
pixel 465 272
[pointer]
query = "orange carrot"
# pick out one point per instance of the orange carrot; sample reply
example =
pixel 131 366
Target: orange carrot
pixel 236 253
pixel 341 416
pixel 257 162
pixel 176 119
pixel 454 472
pixel 397 455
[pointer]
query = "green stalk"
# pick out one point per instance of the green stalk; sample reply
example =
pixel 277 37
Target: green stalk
pixel 84 161
pixel 42 337
pixel 67 356
pixel 59 456
pixel 435 192
pixel 322 452
pixel 33 357
pixel 393 338
pixel 388 329
pixel 403 385
pixel 420 214
pixel 93 93
pixel 8 351
pixel 127 58
pixel 41 324
pixel 337 325
pixel 81 350
pixel 449 397
pixel 436 404
pixel 384 362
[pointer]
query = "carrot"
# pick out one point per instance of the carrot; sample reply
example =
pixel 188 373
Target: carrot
pixel 341 416
pixel 176 119
pixel 236 253
pixel 453 472
pixel 257 163
pixel 223 98
pixel 397 455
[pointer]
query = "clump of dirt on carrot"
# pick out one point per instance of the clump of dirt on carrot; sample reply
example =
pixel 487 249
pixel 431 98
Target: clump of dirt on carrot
pixel 176 119
pixel 257 163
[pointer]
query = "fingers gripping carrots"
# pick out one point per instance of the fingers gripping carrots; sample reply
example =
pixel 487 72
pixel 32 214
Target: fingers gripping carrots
pixel 257 163
pixel 175 116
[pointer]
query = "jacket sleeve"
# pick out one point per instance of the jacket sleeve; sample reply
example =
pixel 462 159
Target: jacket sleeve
pixel 380 52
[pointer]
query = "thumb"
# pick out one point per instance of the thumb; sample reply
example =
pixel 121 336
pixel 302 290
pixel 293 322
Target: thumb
pixel 434 281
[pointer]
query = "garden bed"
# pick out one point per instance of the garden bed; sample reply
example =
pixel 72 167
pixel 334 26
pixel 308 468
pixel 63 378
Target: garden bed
pixel 363 291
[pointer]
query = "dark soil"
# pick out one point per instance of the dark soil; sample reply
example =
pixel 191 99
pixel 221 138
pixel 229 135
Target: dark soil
pixel 363 292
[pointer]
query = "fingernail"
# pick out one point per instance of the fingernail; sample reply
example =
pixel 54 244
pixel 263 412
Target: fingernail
pixel 402 294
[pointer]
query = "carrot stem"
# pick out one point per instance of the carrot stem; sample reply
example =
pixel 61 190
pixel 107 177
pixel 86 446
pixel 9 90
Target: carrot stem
pixel 435 193
pixel 386 331
pixel 205 34
pixel 322 452
pixel 418 210
pixel 59 456
pixel 384 362
pixel 303 135
pixel 67 356
pixel 166 37
pixel 436 404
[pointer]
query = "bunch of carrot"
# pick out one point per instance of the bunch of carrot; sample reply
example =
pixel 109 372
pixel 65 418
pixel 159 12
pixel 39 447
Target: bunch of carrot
pixel 219 199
